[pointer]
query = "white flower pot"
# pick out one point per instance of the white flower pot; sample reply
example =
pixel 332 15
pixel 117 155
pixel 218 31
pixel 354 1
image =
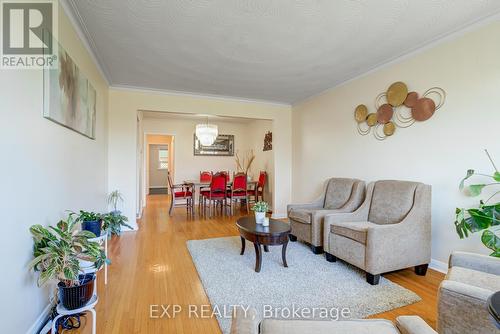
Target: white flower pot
pixel 259 217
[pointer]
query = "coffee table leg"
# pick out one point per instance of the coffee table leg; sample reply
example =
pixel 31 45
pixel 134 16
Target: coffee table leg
pixel 242 246
pixel 258 257
pixel 283 254
pixel 266 249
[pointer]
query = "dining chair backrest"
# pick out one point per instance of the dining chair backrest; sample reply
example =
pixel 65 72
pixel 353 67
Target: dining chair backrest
pixel 170 182
pixel 239 182
pixel 262 179
pixel 205 176
pixel 225 174
pixel 218 183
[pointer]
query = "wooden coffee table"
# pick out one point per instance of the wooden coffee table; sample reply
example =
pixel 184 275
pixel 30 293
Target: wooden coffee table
pixel 273 235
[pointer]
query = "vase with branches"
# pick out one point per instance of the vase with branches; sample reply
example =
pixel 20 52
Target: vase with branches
pixel 485 217
pixel 244 165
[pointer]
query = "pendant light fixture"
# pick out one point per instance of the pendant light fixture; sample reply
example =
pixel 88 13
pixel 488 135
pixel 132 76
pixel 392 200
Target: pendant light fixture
pixel 207 133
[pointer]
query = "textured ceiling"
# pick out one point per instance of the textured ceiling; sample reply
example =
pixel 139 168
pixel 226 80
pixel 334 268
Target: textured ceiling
pixel 275 50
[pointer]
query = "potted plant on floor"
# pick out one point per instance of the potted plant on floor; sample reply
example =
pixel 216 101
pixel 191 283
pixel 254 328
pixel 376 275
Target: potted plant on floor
pixel 90 221
pixel 113 223
pixel 485 217
pixel 260 209
pixel 113 199
pixel 57 252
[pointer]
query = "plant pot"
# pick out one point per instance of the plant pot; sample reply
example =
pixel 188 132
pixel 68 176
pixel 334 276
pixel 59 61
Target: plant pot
pixel 78 296
pixel 259 217
pixel 93 226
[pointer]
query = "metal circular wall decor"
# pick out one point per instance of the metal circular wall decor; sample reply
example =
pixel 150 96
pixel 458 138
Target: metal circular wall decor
pixel 401 109
pixel 396 93
pixel 360 113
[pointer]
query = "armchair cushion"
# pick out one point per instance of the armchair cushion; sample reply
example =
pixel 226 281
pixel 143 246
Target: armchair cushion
pixel 475 278
pixel 391 201
pixel 355 230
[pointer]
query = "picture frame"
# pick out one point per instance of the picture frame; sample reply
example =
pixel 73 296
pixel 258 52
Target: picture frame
pixel 223 146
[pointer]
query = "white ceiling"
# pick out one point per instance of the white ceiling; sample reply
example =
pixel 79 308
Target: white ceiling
pixel 274 50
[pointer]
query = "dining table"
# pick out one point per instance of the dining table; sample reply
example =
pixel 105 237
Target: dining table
pixel 197 185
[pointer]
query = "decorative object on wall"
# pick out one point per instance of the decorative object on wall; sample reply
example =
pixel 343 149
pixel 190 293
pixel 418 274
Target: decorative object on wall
pixel 223 146
pixel 207 133
pixel 268 141
pixel 400 110
pixel 68 97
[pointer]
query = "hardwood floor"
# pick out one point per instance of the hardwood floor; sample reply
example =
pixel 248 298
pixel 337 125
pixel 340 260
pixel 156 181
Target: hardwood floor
pixel 153 266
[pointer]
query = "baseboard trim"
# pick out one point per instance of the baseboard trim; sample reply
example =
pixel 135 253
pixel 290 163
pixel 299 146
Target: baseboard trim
pixel 279 215
pixel 439 266
pixel 41 320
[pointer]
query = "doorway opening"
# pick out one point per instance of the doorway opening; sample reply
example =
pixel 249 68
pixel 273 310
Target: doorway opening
pixel 159 161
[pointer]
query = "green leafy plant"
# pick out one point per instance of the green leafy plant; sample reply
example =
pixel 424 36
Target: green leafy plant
pixel 486 217
pixel 86 216
pixel 260 207
pixel 113 223
pixel 114 198
pixel 57 251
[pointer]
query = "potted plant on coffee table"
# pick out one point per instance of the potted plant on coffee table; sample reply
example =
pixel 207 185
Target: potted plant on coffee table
pixel 260 208
pixel 58 252
pixel 91 221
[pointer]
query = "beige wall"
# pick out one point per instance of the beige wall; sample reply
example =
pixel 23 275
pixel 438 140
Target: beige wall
pixel 437 152
pixel 47 169
pixel 125 104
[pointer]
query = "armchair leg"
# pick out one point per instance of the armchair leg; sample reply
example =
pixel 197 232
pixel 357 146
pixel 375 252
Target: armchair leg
pixel 330 257
pixel 292 237
pixel 317 249
pixel 171 206
pixel 421 270
pixel 372 279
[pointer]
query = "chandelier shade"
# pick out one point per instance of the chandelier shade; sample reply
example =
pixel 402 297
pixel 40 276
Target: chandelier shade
pixel 206 133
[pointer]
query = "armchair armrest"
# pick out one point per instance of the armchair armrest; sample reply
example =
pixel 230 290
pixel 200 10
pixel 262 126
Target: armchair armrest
pixel 245 321
pixel 479 262
pixel 316 204
pixel 413 325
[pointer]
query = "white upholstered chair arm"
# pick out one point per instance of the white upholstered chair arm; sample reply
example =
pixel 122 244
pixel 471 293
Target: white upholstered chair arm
pixel 413 325
pixel 245 321
pixel 479 262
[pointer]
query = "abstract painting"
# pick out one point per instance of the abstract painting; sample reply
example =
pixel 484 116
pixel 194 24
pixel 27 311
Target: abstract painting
pixel 68 97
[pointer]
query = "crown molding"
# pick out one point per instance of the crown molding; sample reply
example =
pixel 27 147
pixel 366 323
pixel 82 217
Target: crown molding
pixel 76 20
pixel 197 95
pixel 438 40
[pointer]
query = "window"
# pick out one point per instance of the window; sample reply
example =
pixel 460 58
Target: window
pixel 162 158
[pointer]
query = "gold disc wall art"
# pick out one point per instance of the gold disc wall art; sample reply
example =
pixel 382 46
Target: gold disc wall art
pixel 401 110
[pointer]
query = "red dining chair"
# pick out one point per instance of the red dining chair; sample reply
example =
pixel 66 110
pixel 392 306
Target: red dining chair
pixel 238 191
pixel 181 194
pixel 205 177
pixel 217 194
pixel 259 188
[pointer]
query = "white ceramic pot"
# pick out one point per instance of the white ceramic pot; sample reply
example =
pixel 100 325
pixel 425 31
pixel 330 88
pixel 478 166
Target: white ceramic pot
pixel 259 217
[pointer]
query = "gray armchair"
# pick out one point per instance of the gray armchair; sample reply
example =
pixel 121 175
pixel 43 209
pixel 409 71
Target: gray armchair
pixel 391 230
pixel 463 295
pixel 306 220
pixel 249 322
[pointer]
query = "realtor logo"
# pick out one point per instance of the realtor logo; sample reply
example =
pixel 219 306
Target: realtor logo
pixel 28 34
